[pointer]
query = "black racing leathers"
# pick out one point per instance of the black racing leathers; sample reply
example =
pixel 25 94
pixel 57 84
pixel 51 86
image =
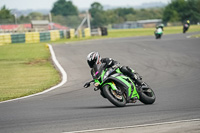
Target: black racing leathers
pixel 124 69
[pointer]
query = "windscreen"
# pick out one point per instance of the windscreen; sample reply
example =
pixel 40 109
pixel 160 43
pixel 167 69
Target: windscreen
pixel 97 70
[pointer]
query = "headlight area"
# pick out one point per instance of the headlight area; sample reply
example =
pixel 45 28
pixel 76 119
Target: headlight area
pixel 96 84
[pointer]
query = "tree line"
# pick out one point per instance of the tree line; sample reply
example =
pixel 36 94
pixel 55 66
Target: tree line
pixel 66 13
pixel 182 10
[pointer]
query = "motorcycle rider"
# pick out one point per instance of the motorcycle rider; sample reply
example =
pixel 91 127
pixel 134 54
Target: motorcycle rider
pixel 95 58
pixel 186 25
pixel 160 26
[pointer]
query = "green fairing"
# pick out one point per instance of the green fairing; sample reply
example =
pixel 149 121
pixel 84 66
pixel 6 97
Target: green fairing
pixel 112 85
pixel 122 78
pixel 103 73
pixel 118 71
pixel 96 81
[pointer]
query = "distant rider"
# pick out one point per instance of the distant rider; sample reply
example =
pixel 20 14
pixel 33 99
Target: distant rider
pixel 188 23
pixel 160 26
pixel 95 58
pixel 186 26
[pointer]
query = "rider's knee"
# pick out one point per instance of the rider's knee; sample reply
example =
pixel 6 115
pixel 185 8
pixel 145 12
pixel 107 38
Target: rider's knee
pixel 126 70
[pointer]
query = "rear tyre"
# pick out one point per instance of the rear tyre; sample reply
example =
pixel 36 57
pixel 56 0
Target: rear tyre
pixel 113 97
pixel 158 36
pixel 184 30
pixel 147 95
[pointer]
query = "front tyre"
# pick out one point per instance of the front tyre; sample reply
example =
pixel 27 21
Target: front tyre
pixel 113 97
pixel 147 95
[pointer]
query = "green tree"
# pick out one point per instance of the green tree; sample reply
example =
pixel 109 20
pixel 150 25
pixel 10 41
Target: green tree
pixel 193 12
pixel 6 16
pixel 171 15
pixel 95 8
pixel 124 11
pixel 98 15
pixel 35 16
pixel 181 10
pixel 101 17
pixel 111 17
pixel 99 20
pixel 64 8
pixel 24 19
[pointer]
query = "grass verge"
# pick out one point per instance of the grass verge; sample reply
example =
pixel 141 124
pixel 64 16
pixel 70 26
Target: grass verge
pixel 25 69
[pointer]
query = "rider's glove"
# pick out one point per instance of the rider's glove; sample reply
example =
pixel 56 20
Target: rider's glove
pixel 87 85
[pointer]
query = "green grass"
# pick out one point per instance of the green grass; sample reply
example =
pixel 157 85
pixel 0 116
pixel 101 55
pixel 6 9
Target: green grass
pixel 25 69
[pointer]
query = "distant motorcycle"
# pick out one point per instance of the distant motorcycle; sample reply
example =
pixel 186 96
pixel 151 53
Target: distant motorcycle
pixel 185 28
pixel 158 33
pixel 118 88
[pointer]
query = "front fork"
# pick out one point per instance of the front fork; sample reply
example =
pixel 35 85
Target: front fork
pixel 112 84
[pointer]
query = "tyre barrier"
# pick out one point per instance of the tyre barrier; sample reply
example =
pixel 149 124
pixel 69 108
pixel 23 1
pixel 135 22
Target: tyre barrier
pixel 45 36
pixel 5 39
pixel 35 37
pixel 18 38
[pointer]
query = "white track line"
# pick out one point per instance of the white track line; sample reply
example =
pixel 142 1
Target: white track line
pixel 188 36
pixel 145 125
pixel 64 78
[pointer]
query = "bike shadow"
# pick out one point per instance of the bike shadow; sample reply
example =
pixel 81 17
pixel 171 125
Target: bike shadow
pixel 108 107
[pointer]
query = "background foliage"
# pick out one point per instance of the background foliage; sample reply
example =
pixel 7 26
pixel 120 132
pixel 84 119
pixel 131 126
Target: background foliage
pixel 66 13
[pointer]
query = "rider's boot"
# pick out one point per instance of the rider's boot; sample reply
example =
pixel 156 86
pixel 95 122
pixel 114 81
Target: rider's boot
pixel 133 100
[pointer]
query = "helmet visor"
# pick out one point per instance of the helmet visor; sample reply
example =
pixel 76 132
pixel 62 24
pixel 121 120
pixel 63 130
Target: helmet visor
pixel 91 63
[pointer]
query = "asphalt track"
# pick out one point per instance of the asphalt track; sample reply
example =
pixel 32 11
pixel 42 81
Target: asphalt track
pixel 171 66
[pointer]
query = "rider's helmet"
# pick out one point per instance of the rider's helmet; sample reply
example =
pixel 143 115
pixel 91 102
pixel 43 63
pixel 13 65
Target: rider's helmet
pixel 93 58
pixel 162 25
pixel 188 21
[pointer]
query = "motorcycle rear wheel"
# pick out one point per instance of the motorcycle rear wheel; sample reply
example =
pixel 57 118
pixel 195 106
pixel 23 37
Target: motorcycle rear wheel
pixel 113 97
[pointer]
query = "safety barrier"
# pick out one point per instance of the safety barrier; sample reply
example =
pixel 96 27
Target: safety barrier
pixel 80 33
pixel 45 36
pixel 61 34
pixel 18 38
pixel 72 33
pixel 35 37
pixel 87 32
pixel 5 39
pixel 55 35
pixel 32 37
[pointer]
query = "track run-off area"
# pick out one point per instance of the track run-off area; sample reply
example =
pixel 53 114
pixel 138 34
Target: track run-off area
pixel 171 66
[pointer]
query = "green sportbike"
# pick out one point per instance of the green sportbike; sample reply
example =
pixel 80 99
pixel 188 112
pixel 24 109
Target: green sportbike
pixel 158 33
pixel 118 88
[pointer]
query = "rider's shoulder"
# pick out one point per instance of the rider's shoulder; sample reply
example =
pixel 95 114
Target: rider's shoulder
pixel 106 59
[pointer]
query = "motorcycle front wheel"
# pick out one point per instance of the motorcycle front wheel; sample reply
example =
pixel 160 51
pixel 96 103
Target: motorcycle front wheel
pixel 113 97
pixel 147 95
